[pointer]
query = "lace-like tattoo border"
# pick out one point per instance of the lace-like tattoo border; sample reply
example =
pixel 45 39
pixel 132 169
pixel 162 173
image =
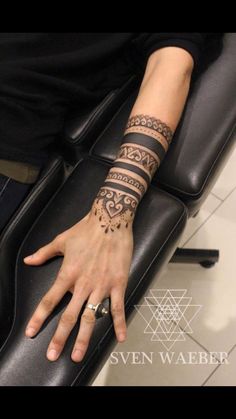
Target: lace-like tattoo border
pixel 152 123
pixel 111 204
pixel 128 179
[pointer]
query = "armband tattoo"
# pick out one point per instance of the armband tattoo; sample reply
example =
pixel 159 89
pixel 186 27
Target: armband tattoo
pixel 152 123
pixel 145 142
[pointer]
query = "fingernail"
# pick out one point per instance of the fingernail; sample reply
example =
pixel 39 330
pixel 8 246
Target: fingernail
pixel 30 331
pixel 77 355
pixel 122 337
pixel 52 355
pixel 29 257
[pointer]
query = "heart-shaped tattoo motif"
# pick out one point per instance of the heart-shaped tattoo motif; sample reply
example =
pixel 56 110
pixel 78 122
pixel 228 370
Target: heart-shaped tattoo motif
pixel 135 154
pixel 113 208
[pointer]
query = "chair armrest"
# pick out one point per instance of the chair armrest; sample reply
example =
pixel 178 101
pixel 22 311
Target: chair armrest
pixel 83 125
pixel 15 231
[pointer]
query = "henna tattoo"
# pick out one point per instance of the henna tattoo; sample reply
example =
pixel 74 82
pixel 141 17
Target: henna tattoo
pixel 124 178
pixel 141 156
pixel 150 133
pixel 141 152
pixel 151 122
pixel 149 143
pixel 114 208
pixel 123 188
pixel 132 168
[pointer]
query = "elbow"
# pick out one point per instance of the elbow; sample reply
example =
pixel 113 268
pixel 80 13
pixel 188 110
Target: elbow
pixel 171 59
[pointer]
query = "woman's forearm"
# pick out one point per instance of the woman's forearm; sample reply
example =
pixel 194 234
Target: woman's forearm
pixel 96 265
pixel 165 85
pixel 152 122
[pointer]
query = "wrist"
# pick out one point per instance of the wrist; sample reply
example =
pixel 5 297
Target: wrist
pixel 113 209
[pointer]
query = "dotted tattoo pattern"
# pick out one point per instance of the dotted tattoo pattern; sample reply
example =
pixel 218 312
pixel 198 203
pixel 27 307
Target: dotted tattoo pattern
pixel 150 133
pixel 117 201
pixel 127 179
pixel 151 122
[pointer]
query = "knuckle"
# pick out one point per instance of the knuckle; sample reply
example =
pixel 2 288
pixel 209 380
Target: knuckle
pixel 63 276
pixel 120 278
pixel 88 317
pixel 35 321
pixel 81 344
pixel 67 273
pixel 58 238
pixel 84 283
pixel 68 319
pixel 47 303
pixel 57 342
pixel 117 309
pixel 40 250
pixel 103 288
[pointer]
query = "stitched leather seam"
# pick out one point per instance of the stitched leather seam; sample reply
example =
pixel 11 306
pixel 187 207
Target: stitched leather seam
pixel 4 186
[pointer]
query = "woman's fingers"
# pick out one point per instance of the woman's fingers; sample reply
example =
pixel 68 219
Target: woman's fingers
pixel 118 313
pixel 66 324
pixel 49 301
pixel 54 248
pixel 45 307
pixel 87 324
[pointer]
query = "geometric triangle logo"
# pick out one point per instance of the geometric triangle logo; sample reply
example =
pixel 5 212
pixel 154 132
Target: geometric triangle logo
pixel 167 314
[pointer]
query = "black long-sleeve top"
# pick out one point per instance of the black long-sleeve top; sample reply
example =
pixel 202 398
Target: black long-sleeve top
pixel 42 75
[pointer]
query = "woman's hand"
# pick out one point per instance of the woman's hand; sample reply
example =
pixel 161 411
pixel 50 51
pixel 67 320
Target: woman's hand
pixel 95 266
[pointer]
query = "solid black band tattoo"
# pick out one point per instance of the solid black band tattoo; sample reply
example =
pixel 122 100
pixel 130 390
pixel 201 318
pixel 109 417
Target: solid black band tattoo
pixel 145 141
pixel 113 175
pixel 132 168
pixel 151 122
pixel 141 153
pixel 114 208
pixel 140 156
pixel 150 133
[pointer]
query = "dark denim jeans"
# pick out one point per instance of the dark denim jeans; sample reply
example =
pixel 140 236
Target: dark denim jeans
pixel 12 193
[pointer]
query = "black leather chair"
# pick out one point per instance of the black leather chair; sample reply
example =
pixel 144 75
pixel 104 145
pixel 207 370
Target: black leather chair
pixel 50 178
pixel 199 150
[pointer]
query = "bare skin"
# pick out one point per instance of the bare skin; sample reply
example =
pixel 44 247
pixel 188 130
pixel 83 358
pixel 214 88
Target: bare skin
pixel 97 251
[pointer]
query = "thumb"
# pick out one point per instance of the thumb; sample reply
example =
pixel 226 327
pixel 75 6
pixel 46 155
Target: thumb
pixel 44 253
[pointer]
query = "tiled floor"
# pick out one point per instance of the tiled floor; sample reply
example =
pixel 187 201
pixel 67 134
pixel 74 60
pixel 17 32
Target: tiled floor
pixel 211 335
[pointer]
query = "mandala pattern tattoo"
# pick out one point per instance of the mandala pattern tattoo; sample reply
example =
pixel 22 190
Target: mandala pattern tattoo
pixel 151 122
pixel 114 208
pixel 141 156
pixel 127 179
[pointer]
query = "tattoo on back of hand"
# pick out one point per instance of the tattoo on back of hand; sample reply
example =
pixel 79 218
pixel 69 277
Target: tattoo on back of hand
pixel 114 208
